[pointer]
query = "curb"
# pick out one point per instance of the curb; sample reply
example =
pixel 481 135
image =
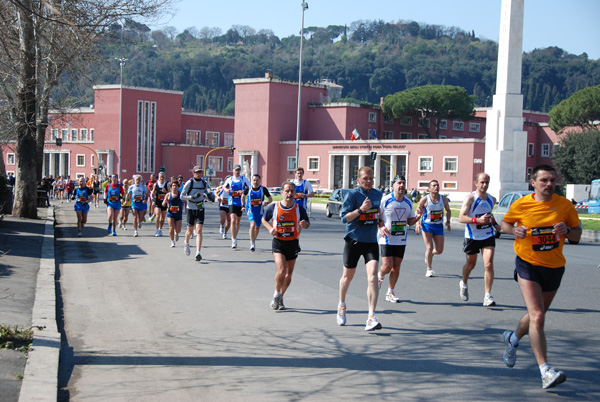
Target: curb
pixel 40 382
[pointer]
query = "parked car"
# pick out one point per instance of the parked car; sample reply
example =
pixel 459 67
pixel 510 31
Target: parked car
pixel 274 190
pixel 504 205
pixel 334 203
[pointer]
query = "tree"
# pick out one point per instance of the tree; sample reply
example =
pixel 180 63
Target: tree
pixel 40 42
pixel 438 101
pixel 580 109
pixel 577 156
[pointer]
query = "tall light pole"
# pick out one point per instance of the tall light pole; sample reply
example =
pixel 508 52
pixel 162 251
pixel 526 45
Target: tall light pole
pixel 304 7
pixel 122 61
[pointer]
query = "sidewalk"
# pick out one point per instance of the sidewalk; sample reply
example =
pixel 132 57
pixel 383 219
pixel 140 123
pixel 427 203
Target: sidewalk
pixel 27 299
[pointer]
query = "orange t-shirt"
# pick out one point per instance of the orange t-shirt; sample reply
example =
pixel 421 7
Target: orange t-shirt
pixel 540 246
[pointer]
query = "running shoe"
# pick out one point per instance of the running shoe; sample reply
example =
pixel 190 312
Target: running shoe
pixel 140 223
pixel 176 237
pixel 198 257
pixel 233 243
pixel 220 229
pixel 379 281
pixel 341 315
pixel 109 230
pixel 464 291
pixel 275 302
pixel 281 306
pixel 552 378
pixel 120 225
pixel 252 247
pixel 152 218
pixel 510 354
pixel 186 249
pixel 391 297
pixel 429 273
pixel 156 233
pixel 224 235
pixel 488 301
pixel 79 234
pixel 172 243
pixel 135 233
pixel 160 233
pixel 114 233
pixel 372 324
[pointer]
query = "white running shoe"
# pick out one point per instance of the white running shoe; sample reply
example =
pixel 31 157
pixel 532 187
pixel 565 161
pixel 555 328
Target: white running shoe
pixel 156 233
pixel 429 273
pixel 186 248
pixel 379 281
pixel 464 291
pixel 135 233
pixel 341 316
pixel 172 243
pixel 220 229
pixel 79 234
pixel 552 378
pixel 224 235
pixel 252 247
pixel 160 233
pixel 391 297
pixel 488 301
pixel 372 324
pixel 233 243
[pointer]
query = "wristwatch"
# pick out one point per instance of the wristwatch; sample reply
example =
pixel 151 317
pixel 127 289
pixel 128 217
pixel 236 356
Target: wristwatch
pixel 568 230
pixel 360 212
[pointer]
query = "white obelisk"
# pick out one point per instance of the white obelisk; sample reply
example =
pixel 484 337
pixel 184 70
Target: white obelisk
pixel 506 142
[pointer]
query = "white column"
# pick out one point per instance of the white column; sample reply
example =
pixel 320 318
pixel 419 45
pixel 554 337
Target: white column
pixel 394 162
pixel 361 161
pixel 254 163
pixel 109 163
pixel 377 172
pixel 346 176
pixel 50 164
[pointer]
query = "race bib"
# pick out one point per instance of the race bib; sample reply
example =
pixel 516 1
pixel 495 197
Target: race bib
pixel 137 198
pixel 369 218
pixel 285 229
pixel 161 196
pixel 82 200
pixel 398 228
pixel 113 198
pixel 256 202
pixel 436 216
pixel 174 208
pixel 542 239
pixel 236 194
pixel 200 205
pixel 483 225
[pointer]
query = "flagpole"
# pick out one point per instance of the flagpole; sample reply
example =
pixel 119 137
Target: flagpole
pixel 304 7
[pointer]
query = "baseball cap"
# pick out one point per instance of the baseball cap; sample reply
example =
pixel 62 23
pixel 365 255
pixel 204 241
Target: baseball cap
pixel 197 169
pixel 236 167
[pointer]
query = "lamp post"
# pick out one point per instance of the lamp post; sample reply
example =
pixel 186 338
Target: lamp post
pixel 122 61
pixel 304 7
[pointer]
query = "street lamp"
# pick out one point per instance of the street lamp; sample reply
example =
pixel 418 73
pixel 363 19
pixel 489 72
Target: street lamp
pixel 304 7
pixel 122 61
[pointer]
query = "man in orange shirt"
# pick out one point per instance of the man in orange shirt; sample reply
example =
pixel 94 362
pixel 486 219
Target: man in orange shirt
pixel 543 221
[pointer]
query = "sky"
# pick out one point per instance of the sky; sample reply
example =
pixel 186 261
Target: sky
pixel 569 24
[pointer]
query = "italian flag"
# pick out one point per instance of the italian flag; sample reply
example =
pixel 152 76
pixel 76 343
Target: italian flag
pixel 354 135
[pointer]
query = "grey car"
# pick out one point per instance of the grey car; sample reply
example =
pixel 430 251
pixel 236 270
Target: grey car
pixel 334 203
pixel 505 204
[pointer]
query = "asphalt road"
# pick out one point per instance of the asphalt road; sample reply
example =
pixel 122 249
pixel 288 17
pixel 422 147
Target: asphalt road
pixel 143 322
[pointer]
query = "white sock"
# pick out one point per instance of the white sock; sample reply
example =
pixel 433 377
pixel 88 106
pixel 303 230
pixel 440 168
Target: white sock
pixel 514 340
pixel 543 368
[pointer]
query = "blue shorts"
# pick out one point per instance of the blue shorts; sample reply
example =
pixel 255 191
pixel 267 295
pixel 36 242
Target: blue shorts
pixel 115 205
pixel 139 206
pixel 436 230
pixel 85 208
pixel 548 278
pixel 257 218
pixel 177 215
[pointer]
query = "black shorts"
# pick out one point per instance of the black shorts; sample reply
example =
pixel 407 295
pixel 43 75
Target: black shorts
pixel 353 250
pixel 548 278
pixel 195 217
pixel 472 246
pixel 289 248
pixel 235 209
pixel 160 206
pixel 388 250
pixel 224 208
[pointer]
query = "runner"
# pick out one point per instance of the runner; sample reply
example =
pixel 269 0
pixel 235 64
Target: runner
pixel 159 190
pixel 254 201
pixel 60 188
pixel 284 220
pixel 194 191
pixel 304 189
pixel 235 186
pixel 82 195
pixel 150 201
pixel 543 221
pixel 125 205
pixel 432 225
pixel 360 212
pixel 137 194
pixel 476 214
pixel 174 205
pixel 112 198
pixel 223 201
pixel 95 185
pixel 69 188
pixel 395 216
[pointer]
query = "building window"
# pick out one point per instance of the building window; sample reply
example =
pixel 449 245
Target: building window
pixel 80 175
pixel 212 139
pixel 388 135
pixel 423 185
pixel 545 150
pixel 388 120
pixel 216 162
pixel 458 125
pixel 449 185
pixel 372 117
pixel 474 127
pixel 64 134
pixel 84 134
pixel 424 122
pixel 200 161
pixel 291 163
pixel 443 124
pixel 80 160
pixel 422 136
pixel 313 163
pixel 227 139
pixel 451 164
pixel 443 137
pixel 425 163
pixel 229 164
pixel 91 134
pixel 10 159
pixel 54 134
pixel 406 121
pixel 192 137
pixel 146 136
pixel 530 149
pixel 372 134
pixel 92 164
pixel 73 134
pixel 405 136
pixel 529 173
